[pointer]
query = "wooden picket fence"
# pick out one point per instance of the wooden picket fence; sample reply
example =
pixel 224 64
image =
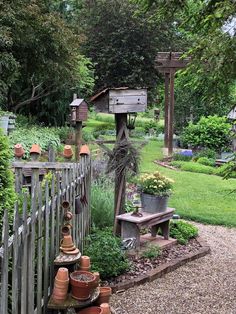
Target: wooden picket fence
pixel 30 247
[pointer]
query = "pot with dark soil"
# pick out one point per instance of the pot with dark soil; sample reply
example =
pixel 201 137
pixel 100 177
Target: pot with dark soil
pixel 82 283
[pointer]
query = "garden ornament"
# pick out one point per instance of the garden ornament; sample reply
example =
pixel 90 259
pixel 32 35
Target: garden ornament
pixel 78 205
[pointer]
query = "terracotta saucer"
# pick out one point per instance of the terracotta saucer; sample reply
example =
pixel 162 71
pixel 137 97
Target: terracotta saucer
pixel 62 248
pixel 75 252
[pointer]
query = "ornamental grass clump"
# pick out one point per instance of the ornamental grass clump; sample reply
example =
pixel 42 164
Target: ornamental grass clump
pixel 156 184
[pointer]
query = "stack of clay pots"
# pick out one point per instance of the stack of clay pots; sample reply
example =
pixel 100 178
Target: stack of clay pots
pixel 61 285
pixel 67 246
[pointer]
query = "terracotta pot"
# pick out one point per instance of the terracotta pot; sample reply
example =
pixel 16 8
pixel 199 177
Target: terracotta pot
pixel 104 295
pixel 81 289
pixel 68 152
pixel 68 216
pixel 62 274
pixel 85 262
pixel 67 241
pixel 84 150
pixel 105 307
pixel 97 275
pixel 35 149
pixel 65 205
pixel 18 151
pixel 91 310
pixel 65 230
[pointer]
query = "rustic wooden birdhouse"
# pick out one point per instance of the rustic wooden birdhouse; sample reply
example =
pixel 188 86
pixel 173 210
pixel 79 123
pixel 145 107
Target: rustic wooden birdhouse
pixel 79 110
pixel 120 100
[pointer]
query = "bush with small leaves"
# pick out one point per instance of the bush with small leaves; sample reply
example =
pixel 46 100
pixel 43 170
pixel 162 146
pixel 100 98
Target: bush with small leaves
pixel 182 231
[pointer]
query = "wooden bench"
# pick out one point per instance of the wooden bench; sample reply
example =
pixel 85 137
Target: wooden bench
pixel 131 225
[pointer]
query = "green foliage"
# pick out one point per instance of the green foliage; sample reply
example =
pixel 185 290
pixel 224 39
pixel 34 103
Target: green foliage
pixel 106 256
pixel 193 167
pixel 7 194
pixel 227 170
pixel 123 47
pixel 182 231
pixel 34 135
pixel 102 203
pixel 210 132
pixel 153 126
pixel 152 251
pixel 87 136
pixel 208 153
pixel 206 161
pixel 181 157
pixel 156 184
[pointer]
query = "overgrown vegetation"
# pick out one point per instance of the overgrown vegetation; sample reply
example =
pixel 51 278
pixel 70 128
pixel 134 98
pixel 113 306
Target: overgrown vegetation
pixel 182 231
pixel 152 251
pixel 106 255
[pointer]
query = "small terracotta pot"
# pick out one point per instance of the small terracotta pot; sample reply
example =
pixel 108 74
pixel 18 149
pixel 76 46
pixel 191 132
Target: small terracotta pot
pixel 62 274
pixel 18 151
pixel 96 282
pixel 105 307
pixel 84 150
pixel 65 230
pixel 91 310
pixel 68 215
pixel 104 295
pixel 35 149
pixel 81 289
pixel 67 241
pixel 65 205
pixel 85 262
pixel 68 152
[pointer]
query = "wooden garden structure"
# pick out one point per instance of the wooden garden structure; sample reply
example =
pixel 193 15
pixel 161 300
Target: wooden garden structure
pixel 29 247
pixel 122 102
pixel 232 117
pixel 168 63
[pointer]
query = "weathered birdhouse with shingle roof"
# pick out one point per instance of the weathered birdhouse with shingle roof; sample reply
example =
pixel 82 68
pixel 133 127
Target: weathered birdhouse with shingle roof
pixel 79 110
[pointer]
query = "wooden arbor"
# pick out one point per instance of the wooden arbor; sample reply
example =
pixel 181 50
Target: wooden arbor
pixel 121 102
pixel 168 63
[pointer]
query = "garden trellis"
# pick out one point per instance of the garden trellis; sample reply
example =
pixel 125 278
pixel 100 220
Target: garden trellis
pixel 28 251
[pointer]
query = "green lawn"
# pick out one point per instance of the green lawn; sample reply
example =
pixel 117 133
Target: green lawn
pixel 199 197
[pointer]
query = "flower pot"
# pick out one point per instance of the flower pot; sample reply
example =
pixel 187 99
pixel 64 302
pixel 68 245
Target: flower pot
pixel 68 216
pixel 62 274
pixel 91 310
pixel 65 230
pixel 85 263
pixel 153 204
pixel 82 283
pixel 35 149
pixel 84 150
pixel 67 241
pixel 105 307
pixel 68 152
pixel 104 295
pixel 65 205
pixel 18 151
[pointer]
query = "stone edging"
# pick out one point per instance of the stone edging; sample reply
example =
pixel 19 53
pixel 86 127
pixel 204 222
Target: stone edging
pixel 163 269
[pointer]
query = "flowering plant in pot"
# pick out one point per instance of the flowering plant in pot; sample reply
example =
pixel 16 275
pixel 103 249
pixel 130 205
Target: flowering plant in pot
pixel 155 192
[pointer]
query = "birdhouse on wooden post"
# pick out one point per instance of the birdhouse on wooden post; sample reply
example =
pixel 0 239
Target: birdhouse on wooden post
pixel 79 110
pixel 120 100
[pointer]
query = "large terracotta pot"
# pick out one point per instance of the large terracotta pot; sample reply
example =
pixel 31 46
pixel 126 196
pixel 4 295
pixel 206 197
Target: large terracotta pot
pixel 91 310
pixel 82 283
pixel 104 295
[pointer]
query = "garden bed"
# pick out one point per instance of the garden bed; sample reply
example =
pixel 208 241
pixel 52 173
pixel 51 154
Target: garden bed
pixel 145 269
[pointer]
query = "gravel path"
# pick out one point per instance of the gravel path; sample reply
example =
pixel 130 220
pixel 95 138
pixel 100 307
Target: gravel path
pixel 204 286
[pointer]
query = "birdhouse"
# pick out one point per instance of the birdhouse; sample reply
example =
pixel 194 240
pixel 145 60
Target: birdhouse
pixel 79 110
pixel 120 100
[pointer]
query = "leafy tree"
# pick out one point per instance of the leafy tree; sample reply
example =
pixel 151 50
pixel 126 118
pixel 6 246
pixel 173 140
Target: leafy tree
pixel 122 42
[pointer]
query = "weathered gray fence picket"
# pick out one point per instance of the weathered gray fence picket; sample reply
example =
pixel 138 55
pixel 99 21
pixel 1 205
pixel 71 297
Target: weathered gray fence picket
pixel 27 254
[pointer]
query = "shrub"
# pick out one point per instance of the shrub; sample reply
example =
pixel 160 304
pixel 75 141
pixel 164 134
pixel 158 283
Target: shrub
pixel 193 167
pixel 209 153
pixel 186 155
pixel 152 251
pixel 210 132
pixel 182 231
pixel 7 194
pixel 206 161
pixel 106 255
pixel 153 125
pixel 227 170
pixel 87 136
pixel 102 203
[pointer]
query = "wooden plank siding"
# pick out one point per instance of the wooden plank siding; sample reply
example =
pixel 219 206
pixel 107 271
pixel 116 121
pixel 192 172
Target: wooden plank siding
pixel 28 251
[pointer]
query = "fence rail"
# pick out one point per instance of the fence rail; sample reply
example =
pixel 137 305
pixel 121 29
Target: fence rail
pixel 30 246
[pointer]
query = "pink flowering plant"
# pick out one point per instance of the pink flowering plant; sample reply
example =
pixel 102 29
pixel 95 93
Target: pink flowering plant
pixel 156 184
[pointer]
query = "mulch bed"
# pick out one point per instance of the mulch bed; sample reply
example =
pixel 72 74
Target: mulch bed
pixel 141 266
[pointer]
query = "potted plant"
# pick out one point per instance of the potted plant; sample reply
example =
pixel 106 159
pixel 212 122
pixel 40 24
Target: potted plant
pixel 155 192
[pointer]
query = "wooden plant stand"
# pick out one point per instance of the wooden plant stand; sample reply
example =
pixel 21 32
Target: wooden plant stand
pixel 131 225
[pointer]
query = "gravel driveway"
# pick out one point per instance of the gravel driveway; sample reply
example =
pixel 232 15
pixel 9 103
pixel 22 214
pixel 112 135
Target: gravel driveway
pixel 204 286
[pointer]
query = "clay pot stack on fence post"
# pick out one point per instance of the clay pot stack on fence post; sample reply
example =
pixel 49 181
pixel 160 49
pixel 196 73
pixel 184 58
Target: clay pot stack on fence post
pixel 67 246
pixel 61 284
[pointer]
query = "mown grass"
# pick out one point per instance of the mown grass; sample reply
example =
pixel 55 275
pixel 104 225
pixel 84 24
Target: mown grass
pixel 200 197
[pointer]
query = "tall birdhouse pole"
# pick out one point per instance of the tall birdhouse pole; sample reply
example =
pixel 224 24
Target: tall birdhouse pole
pixel 168 63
